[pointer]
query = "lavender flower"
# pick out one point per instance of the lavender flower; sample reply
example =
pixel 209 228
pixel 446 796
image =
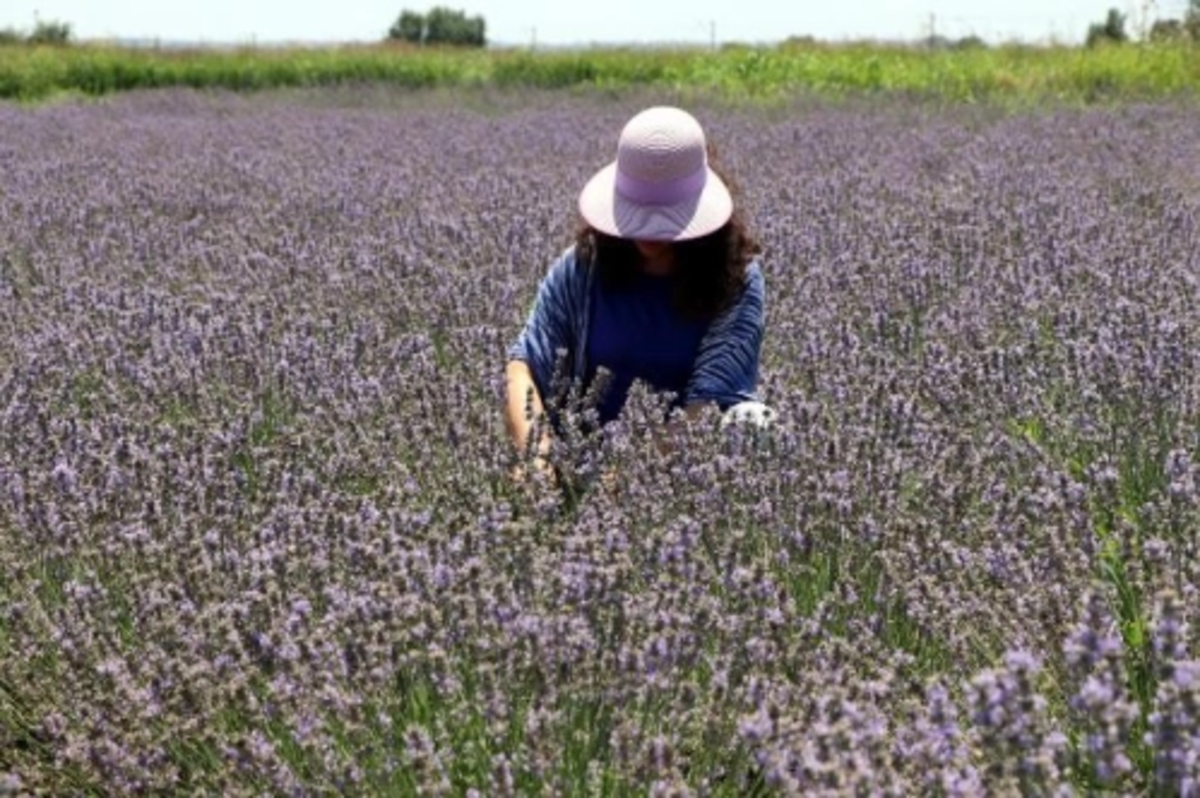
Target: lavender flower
pixel 258 534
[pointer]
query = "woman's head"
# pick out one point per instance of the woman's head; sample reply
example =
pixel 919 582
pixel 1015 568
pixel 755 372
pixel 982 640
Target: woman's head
pixel 666 189
pixel 660 187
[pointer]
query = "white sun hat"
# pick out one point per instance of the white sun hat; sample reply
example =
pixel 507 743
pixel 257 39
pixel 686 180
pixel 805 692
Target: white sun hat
pixel 660 187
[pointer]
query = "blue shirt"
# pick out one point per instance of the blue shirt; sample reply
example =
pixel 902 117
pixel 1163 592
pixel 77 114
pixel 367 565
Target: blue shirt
pixel 557 339
pixel 637 335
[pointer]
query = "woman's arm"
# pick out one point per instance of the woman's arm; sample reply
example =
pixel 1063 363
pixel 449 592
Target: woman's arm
pixel 522 396
pixel 726 370
pixel 548 333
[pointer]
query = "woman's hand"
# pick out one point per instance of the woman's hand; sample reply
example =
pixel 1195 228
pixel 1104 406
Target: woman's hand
pixel 523 405
pixel 538 469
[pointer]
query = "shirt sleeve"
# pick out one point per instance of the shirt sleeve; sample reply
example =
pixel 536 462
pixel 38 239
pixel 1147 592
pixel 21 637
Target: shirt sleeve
pixel 726 370
pixel 550 326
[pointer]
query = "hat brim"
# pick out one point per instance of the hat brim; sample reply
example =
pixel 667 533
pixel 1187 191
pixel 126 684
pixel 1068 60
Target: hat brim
pixel 605 209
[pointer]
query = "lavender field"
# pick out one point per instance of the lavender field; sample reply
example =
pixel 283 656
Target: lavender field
pixel 258 535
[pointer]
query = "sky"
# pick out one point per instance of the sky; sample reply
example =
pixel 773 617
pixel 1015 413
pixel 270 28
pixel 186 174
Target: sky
pixel 565 23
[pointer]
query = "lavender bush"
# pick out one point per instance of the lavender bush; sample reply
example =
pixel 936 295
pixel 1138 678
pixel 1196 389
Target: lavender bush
pixel 256 526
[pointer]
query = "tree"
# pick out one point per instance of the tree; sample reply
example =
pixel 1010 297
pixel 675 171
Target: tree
pixel 410 27
pixel 441 26
pixel 1178 30
pixel 1111 31
pixel 971 42
pixel 446 26
pixel 50 33
pixel 1167 30
pixel 1191 20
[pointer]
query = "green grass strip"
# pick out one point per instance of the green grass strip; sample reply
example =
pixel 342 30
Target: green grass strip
pixel 1024 73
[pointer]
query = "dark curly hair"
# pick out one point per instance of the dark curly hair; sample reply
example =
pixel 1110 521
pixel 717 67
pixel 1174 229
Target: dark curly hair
pixel 714 265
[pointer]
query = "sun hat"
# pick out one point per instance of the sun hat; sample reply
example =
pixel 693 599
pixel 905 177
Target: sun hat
pixel 660 187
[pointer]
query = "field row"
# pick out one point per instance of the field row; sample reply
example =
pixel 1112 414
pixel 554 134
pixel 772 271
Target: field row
pixel 258 533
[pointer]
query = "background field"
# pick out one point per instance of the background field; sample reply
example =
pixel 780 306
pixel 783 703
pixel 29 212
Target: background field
pixel 256 530
pixel 1014 73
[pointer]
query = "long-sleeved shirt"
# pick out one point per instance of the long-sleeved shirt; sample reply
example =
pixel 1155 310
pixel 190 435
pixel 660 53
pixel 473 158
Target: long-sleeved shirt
pixel 723 366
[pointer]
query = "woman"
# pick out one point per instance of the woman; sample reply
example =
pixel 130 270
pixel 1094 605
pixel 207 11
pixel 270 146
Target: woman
pixel 661 285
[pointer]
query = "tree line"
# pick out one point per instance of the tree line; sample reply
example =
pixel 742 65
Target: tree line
pixel 1113 29
pixel 440 26
pixel 42 33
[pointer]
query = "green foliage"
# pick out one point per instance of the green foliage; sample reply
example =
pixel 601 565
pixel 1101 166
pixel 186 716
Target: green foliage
pixel 1165 31
pixel 410 27
pixel 970 74
pixel 1185 30
pixel 445 26
pixel 44 33
pixel 968 43
pixel 441 26
pixel 1111 31
pixel 49 32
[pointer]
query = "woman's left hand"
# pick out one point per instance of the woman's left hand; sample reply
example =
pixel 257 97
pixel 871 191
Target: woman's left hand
pixel 538 469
